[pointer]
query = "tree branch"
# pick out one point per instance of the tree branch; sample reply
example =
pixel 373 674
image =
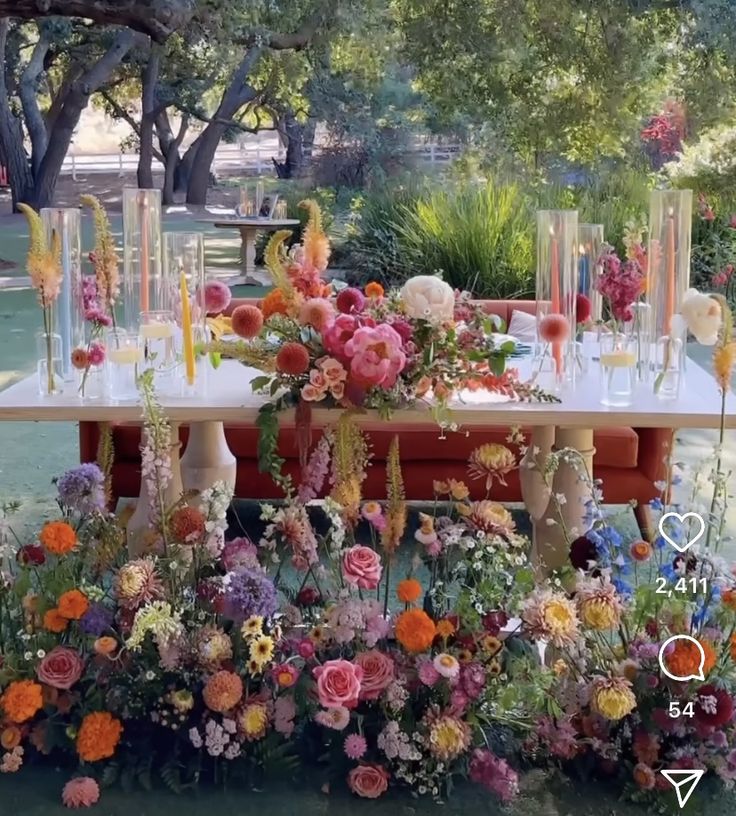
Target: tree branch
pixel 156 18
pixel 27 90
pixel 299 39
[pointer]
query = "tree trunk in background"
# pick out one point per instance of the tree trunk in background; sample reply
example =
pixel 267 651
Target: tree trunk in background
pixel 298 138
pixel 149 80
pixel 11 135
pixel 28 93
pixel 169 145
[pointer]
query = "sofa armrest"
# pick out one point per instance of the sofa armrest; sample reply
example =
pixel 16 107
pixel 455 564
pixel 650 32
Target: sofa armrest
pixel 655 445
pixel 89 440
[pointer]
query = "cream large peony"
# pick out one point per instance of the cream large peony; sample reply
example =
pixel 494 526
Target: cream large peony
pixel 702 315
pixel 427 297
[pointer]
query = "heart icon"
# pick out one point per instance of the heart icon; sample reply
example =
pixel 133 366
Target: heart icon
pixel 681 518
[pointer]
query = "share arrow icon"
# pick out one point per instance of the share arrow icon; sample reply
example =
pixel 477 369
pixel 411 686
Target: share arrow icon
pixel 684 783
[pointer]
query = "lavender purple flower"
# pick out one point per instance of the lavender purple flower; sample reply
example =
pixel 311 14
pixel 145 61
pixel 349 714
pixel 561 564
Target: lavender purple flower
pixel 248 592
pixel 82 488
pixel 96 620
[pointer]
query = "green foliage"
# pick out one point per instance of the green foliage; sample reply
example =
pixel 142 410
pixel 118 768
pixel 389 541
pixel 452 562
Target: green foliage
pixel 480 238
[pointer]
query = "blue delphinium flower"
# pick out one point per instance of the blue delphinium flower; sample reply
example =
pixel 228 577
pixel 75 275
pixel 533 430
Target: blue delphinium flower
pixel 82 489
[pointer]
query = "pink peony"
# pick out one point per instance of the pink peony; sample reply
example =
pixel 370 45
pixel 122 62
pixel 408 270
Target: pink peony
pixel 338 683
pixel 361 567
pixel 217 297
pixel 80 792
pixel 338 334
pixel 376 356
pixel 61 668
pixel 368 780
pixel 378 673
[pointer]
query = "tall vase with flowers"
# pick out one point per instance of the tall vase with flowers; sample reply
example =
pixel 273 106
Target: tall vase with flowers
pixel 640 326
pixel 620 284
pixel 44 270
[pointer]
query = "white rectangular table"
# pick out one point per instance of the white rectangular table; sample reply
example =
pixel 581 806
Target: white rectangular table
pixel 569 424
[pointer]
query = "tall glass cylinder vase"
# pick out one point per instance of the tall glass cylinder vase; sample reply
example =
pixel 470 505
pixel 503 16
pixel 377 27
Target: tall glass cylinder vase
pixel 670 224
pixel 590 241
pixel 184 275
pixel 64 222
pixel 557 287
pixel 143 289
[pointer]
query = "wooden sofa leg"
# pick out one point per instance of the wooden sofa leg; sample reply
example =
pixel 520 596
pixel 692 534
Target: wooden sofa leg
pixel 645 520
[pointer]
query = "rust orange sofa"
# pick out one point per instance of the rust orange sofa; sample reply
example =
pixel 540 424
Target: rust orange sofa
pixel 628 460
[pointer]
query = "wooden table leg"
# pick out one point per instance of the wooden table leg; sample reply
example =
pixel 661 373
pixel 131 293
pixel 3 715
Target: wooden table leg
pixel 248 237
pixel 207 458
pixel 562 519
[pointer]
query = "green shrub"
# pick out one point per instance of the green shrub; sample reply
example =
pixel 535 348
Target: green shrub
pixel 480 237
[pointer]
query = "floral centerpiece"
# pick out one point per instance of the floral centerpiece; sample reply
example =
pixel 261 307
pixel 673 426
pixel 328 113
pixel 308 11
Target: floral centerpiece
pixel 320 343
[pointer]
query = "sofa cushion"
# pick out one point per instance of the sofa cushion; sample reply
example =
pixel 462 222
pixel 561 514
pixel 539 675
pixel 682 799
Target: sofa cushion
pixel 615 447
pixel 523 326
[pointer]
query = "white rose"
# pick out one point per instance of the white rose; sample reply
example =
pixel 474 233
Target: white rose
pixel 702 316
pixel 427 297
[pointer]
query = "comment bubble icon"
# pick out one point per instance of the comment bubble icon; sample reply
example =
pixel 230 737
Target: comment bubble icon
pixel 663 653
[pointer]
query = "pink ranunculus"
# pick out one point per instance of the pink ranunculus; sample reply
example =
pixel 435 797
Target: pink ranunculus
pixel 361 567
pixel 368 780
pixel 376 355
pixel 378 673
pixel 61 668
pixel 338 683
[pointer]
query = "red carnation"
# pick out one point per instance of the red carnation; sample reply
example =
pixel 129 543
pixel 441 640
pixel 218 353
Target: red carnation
pixel 583 308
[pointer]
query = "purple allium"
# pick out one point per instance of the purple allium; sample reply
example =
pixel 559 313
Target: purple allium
pixel 248 592
pixel 96 620
pixel 217 296
pixel 83 488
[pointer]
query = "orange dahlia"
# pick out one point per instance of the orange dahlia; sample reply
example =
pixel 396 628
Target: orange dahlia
pixel 98 736
pixel 22 700
pixel 409 590
pixel 72 604
pixel 273 303
pixel 54 621
pixel 187 523
pixel 58 537
pixel 247 321
pixel 223 691
pixel 293 358
pixel 415 630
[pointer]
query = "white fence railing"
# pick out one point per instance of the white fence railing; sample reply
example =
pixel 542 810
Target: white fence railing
pixel 252 157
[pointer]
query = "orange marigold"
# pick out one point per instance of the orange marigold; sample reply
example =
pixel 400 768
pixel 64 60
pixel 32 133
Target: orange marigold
pixel 98 736
pixel 22 700
pixel 415 630
pixel 374 290
pixel 684 660
pixel 73 604
pixel 54 621
pixel 223 691
pixel 58 537
pixel 409 590
pixel 445 628
pixel 273 303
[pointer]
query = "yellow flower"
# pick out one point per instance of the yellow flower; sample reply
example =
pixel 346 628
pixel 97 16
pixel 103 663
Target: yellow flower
pixel 599 605
pixel 458 490
pixel 491 461
pixel 490 644
pixel 253 721
pixel 559 616
pixel 724 357
pixel 550 616
pixel 612 697
pixel 220 326
pixel 448 736
pixel 253 626
pixel 182 700
pixel 560 668
pixel 261 650
pixel 488 516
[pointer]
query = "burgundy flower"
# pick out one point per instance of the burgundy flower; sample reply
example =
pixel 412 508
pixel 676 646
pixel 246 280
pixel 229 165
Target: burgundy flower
pixel 713 706
pixel 31 555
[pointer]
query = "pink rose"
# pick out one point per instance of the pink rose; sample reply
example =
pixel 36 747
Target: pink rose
pixel 368 780
pixel 338 683
pixel 361 567
pixel 61 668
pixel 312 394
pixel 378 673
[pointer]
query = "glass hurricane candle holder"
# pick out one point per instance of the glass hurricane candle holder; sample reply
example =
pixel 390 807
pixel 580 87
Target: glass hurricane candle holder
pixel 590 242
pixel 556 291
pixel 123 365
pixel 618 369
pixel 668 278
pixel 185 281
pixel 142 280
pixel 64 222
